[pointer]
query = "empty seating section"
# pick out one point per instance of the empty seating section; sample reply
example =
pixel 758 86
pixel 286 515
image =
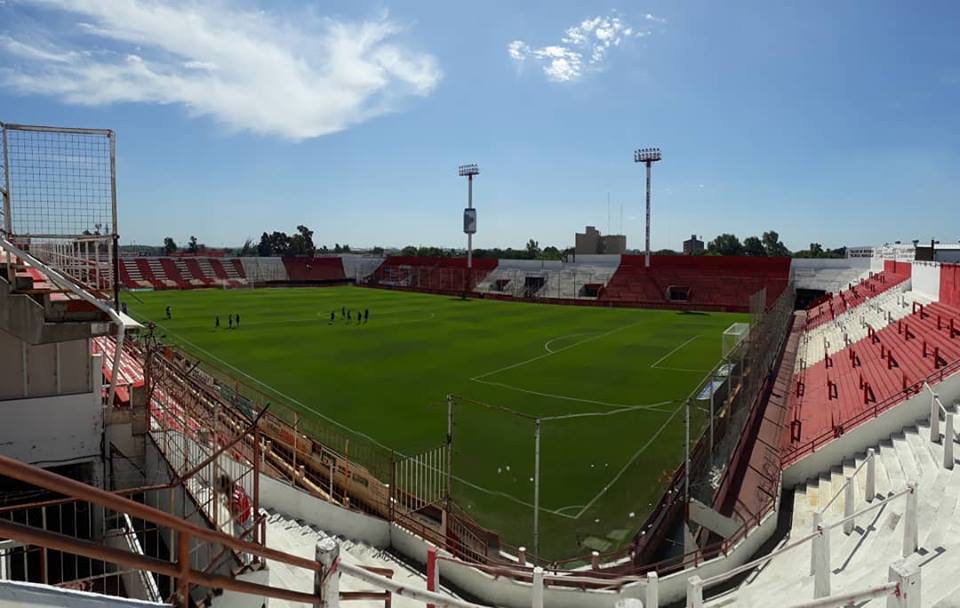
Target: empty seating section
pixel 872 357
pixel 180 272
pixel 263 270
pixel 854 295
pixel 702 282
pixel 430 274
pixel 314 269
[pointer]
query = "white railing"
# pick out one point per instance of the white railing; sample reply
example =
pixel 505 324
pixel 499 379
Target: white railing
pixel 848 490
pixel 65 282
pixel 937 408
pixel 820 549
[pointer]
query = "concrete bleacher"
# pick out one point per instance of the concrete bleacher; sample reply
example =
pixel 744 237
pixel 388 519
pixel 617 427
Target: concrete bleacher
pixel 314 269
pixel 180 272
pixel 887 364
pixel 853 296
pixel 264 270
pixel 358 267
pixel 854 324
pixel 722 283
pixel 431 274
pixel 861 559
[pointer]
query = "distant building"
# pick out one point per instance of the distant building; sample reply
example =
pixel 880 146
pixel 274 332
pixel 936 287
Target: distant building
pixel 860 252
pixel 693 246
pixel 590 241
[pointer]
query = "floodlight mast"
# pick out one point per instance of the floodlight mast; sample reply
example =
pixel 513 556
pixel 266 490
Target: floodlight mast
pixel 469 171
pixel 647 156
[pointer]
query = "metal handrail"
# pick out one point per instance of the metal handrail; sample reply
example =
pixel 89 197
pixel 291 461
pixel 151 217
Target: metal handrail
pixel 822 528
pixel 846 483
pixel 67 283
pixel 845 599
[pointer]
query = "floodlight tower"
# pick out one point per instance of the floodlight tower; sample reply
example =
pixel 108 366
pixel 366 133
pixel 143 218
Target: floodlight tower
pixel 647 156
pixel 469 214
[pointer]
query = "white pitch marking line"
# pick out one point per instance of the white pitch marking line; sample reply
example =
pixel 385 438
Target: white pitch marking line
pixel 623 469
pixel 559 350
pixel 666 356
pixel 618 406
pixel 546 345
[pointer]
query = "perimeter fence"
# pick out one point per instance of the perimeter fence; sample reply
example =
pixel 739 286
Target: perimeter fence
pixel 60 199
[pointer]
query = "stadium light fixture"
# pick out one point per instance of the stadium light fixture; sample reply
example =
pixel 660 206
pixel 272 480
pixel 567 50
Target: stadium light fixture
pixel 647 156
pixel 469 216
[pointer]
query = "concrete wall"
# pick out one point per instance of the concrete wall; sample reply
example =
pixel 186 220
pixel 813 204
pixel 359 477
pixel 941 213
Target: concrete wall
pixel 925 279
pixel 286 499
pixel 870 433
pixel 61 429
pixel 43 370
pixel 501 591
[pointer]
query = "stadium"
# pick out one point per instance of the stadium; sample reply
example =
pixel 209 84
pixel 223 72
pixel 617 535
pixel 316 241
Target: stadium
pixel 598 430
pixel 428 416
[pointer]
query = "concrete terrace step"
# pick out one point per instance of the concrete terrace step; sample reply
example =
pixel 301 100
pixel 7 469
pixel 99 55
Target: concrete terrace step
pixel 862 558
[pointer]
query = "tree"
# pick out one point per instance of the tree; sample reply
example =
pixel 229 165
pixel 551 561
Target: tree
pixel 773 246
pixel 192 245
pixel 409 250
pixel 550 253
pixel 301 243
pixel 816 250
pixel 725 244
pixel 247 248
pixel 754 246
pixel 169 246
pixel 533 249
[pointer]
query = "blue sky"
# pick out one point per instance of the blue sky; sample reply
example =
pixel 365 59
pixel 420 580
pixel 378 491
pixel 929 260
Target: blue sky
pixel 828 121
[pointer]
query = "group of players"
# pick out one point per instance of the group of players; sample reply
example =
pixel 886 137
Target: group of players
pixel 347 315
pixel 233 320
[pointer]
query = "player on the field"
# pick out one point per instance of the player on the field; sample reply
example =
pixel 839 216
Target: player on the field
pixel 169 312
pixel 366 315
pixel 229 321
pixel 333 317
pixel 216 322
pixel 359 316
pixel 348 315
pixel 238 321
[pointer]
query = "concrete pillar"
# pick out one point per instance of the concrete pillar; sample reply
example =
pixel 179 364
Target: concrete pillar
pixel 908 577
pixel 910 521
pixel 849 497
pixel 817 520
pixel 536 592
pixel 934 418
pixel 595 560
pixel 653 590
pixel 326 582
pixel 522 555
pixel 948 442
pixel 871 475
pixel 821 578
pixel 694 592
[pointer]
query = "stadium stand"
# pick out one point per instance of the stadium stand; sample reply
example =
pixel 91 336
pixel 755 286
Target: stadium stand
pixel 318 269
pixel 430 274
pixel 702 282
pixel 868 359
pixel 181 272
pixel 263 270
pixel 857 294
pixel 358 267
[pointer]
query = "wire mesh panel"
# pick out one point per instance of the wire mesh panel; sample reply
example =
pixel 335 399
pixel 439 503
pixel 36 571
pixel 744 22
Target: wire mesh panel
pixel 60 200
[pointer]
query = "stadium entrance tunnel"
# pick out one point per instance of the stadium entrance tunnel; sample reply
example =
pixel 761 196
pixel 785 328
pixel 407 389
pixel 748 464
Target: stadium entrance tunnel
pixel 808 297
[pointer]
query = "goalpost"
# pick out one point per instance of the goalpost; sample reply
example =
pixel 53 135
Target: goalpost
pixel 733 336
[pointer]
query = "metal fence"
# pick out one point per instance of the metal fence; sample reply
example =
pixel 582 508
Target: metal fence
pixel 60 199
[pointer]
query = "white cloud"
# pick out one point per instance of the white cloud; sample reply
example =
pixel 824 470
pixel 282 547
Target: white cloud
pixel 297 77
pixel 583 46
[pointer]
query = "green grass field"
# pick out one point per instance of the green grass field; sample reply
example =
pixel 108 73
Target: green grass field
pixel 616 376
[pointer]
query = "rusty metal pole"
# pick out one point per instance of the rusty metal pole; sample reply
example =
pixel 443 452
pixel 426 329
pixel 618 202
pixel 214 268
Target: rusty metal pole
pixel 183 562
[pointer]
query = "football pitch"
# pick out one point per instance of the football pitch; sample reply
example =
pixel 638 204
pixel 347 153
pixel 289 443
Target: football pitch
pixel 608 383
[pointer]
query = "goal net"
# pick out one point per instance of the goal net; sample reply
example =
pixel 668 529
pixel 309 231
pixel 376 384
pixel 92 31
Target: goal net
pixel 733 336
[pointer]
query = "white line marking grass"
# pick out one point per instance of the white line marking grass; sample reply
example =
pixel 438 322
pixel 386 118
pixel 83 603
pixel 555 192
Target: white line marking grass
pixel 667 356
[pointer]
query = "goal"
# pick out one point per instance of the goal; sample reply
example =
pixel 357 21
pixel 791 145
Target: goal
pixel 733 336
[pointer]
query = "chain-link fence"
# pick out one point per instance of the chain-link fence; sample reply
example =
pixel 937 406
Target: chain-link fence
pixel 59 199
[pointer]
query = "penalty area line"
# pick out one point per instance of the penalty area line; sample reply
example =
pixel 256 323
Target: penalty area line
pixel 667 356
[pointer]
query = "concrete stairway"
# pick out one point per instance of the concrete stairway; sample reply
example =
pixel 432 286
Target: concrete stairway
pixel 294 537
pixel 861 559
